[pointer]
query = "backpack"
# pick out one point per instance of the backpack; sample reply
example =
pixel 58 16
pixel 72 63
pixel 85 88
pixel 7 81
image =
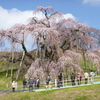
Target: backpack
pixel 48 79
pixel 79 76
pixel 92 74
pixel 38 81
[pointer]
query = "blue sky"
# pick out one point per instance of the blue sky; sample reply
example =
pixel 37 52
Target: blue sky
pixel 18 11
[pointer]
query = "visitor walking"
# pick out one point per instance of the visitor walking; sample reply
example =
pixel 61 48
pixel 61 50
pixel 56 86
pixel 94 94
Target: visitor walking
pixel 50 85
pixel 73 79
pixel 59 83
pixel 24 84
pixel 47 81
pixel 92 75
pixel 13 86
pixel 86 76
pixel 38 83
pixel 60 78
pixel 79 77
pixel 30 82
pixel 34 83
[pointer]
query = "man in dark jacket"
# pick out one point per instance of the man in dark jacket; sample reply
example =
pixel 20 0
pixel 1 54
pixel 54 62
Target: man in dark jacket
pixel 24 84
pixel 73 79
pixel 34 83
pixel 30 82
pixel 47 81
pixel 60 76
pixel 60 79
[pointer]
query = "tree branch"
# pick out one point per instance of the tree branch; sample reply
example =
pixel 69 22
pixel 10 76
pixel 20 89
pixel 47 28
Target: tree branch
pixel 27 54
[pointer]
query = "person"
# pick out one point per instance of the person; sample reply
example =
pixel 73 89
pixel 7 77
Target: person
pixel 92 75
pixel 38 83
pixel 50 85
pixel 86 76
pixel 13 86
pixel 58 83
pixel 47 81
pixel 34 83
pixel 79 77
pixel 60 78
pixel 73 79
pixel 30 82
pixel 24 84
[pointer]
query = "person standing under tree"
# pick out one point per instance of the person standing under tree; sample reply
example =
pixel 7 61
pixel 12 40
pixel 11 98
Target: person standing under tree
pixel 92 75
pixel 59 83
pixel 30 82
pixel 79 77
pixel 24 84
pixel 13 86
pixel 34 83
pixel 86 75
pixel 60 78
pixel 38 83
pixel 73 79
pixel 47 81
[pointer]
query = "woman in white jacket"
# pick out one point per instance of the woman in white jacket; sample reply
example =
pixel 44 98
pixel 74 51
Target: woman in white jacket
pixel 13 86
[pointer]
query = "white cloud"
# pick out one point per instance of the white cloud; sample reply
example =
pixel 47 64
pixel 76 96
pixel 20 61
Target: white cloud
pixel 68 15
pixel 92 2
pixel 8 18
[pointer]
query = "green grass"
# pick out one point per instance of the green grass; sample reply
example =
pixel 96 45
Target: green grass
pixel 4 80
pixel 88 92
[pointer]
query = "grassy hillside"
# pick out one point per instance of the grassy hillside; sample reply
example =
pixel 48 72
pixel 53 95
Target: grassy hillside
pixel 89 92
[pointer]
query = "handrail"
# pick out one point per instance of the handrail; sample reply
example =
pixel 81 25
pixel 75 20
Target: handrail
pixel 65 83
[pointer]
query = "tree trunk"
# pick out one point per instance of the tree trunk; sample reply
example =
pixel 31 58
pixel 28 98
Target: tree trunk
pixel 84 58
pixel 20 67
pixel 12 59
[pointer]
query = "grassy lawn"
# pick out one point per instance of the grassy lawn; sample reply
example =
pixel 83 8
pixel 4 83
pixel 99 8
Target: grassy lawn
pixel 88 92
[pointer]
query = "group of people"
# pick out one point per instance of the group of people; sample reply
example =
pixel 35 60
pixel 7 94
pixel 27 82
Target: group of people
pixel 35 83
pixel 32 84
pixel 86 76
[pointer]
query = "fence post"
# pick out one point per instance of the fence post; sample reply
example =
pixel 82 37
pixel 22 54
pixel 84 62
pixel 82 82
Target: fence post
pixel 55 82
pixel 63 81
pixel 75 81
pixel 66 81
pixel 16 85
pixel 88 79
pixel 7 86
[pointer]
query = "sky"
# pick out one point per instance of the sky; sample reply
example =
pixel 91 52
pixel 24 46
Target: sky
pixel 18 11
